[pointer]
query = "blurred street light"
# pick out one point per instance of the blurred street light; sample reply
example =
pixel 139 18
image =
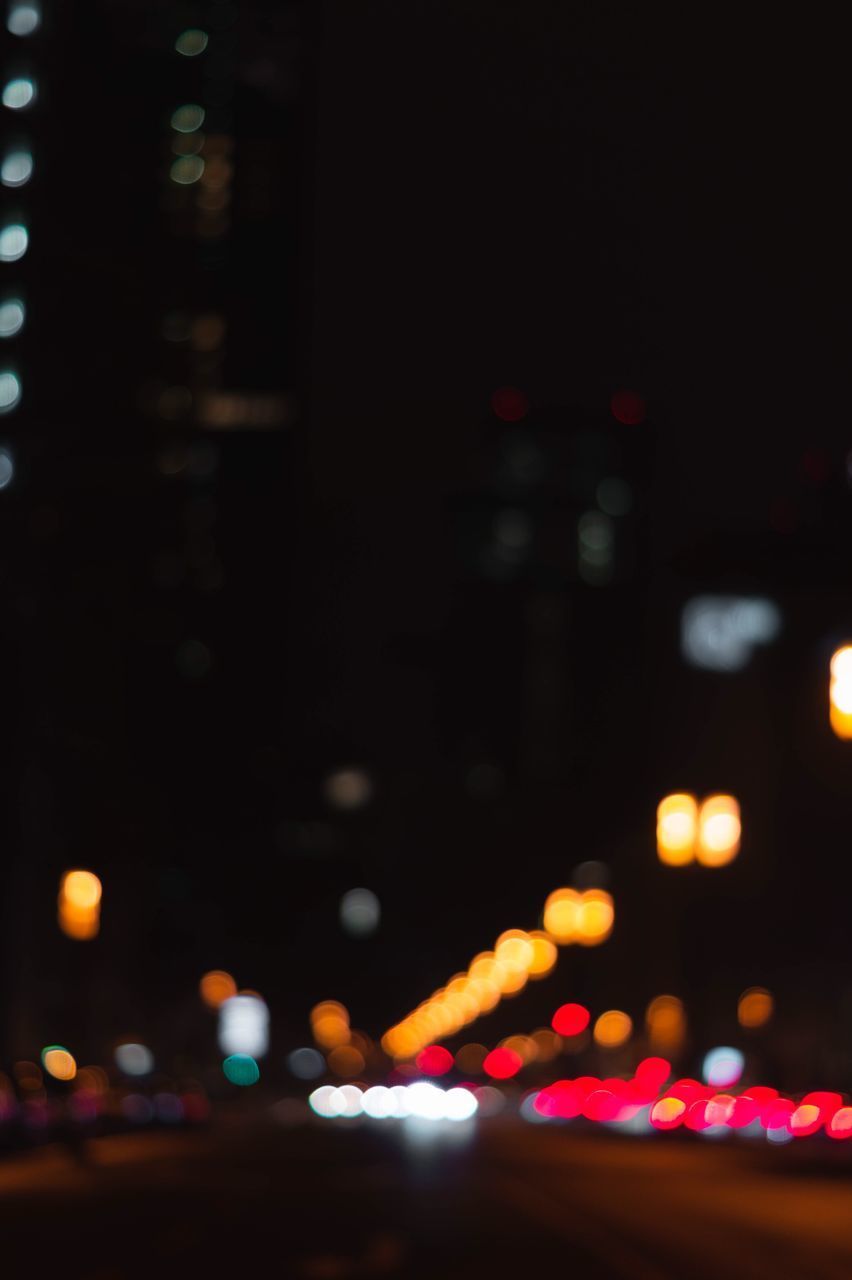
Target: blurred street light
pixel 79 905
pixel 840 692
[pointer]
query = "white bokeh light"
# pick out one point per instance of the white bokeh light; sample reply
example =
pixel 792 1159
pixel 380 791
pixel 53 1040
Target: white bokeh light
pixel 14 240
pixel 244 1026
pixel 719 633
pixel 18 94
pixel 360 912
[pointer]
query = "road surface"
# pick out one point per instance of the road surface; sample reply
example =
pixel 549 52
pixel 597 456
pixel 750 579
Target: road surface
pixel 330 1200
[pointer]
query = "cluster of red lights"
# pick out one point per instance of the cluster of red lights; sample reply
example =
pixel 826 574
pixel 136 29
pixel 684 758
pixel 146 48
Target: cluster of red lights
pixel 689 1104
pixel 686 1103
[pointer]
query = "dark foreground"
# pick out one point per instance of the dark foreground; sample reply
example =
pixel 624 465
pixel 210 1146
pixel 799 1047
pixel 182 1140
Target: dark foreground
pixel 328 1200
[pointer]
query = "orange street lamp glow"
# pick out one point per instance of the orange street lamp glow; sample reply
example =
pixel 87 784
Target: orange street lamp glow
pixel 79 905
pixel 677 826
pixel 719 831
pixel 840 692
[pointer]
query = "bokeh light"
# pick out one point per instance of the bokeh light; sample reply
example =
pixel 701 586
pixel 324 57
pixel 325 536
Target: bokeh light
pixel 612 1029
pixel 134 1059
pixel 570 1019
pixel 7 467
pixel 244 1026
pixel 306 1064
pixel 544 954
pixel 434 1060
pixel 548 1045
pixel 470 1057
pixel 628 407
pixel 58 1062
pixel 10 390
pixel 79 905
pixel 360 912
pixel 755 1007
pixel 677 829
pixel 23 18
pixel 665 1022
pixel 14 239
pixel 188 118
pixel 16 168
pixel 186 170
pixel 12 315
pixel 348 788
pixel 597 915
pixel 509 404
pixel 562 914
pixel 191 42
pixel 241 1069
pixel 216 987
pixel 19 93
pixel 330 1024
pixel 719 830
pixel 840 692
pixel 502 1064
pixel 723 1066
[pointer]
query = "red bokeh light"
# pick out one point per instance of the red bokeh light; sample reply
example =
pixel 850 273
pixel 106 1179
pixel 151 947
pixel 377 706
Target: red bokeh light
pixel 744 1111
pixel 628 407
pixel 502 1064
pixel 570 1020
pixel 840 1125
pixel 510 404
pixel 434 1060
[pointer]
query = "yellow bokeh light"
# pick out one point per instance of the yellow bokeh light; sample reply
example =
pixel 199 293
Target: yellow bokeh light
pixel 597 915
pixel 81 889
pixel 719 831
pixel 216 987
pixel 840 692
pixel 514 950
pixel 59 1063
pixel 562 915
pixel 330 1008
pixel 755 1007
pixel 666 1024
pixel 613 1029
pixel 330 1031
pixel 346 1061
pixel 79 905
pixel 677 827
pixel 544 954
pixel 79 925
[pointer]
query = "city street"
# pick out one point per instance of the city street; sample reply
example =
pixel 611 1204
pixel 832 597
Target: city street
pixel 337 1201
